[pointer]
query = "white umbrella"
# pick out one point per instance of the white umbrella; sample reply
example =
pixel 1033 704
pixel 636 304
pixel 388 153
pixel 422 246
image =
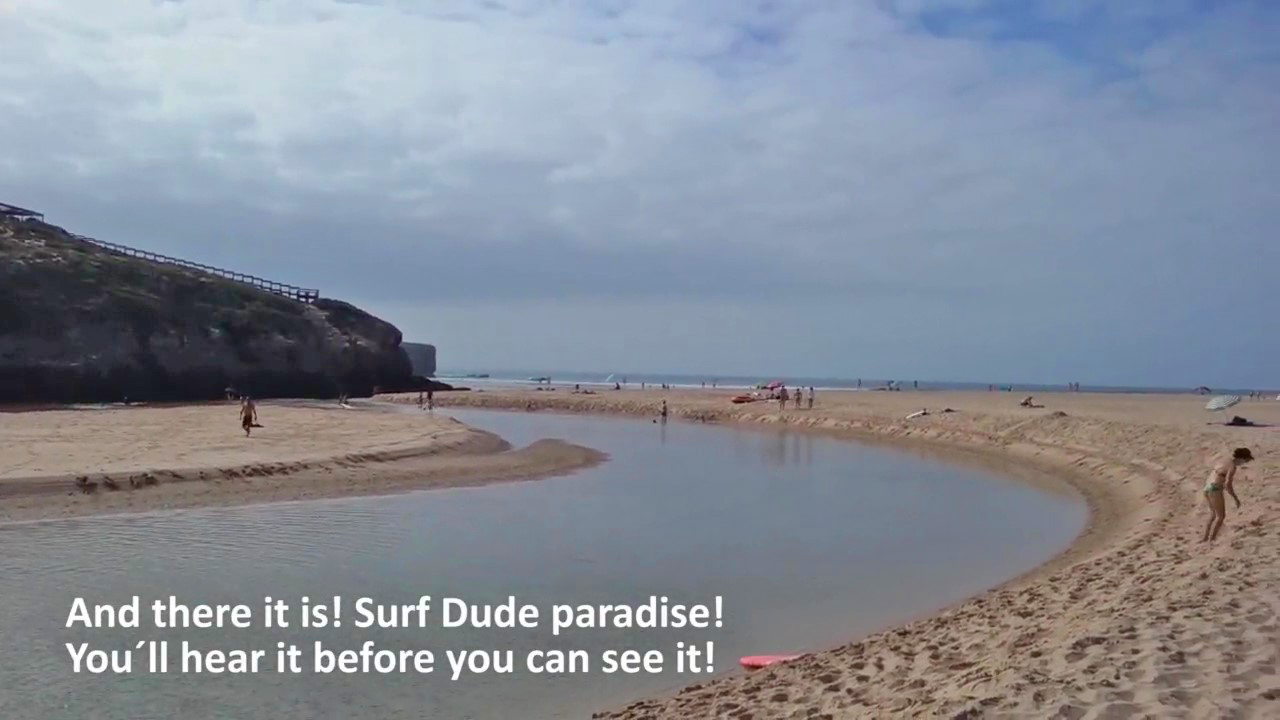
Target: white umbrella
pixel 1222 402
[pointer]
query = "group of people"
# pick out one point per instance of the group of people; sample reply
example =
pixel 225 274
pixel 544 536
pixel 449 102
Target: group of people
pixel 797 397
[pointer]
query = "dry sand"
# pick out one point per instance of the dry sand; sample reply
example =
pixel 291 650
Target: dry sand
pixel 197 455
pixel 1137 619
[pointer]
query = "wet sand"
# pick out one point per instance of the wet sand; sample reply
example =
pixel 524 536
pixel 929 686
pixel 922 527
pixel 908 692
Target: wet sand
pixel 148 458
pixel 1136 619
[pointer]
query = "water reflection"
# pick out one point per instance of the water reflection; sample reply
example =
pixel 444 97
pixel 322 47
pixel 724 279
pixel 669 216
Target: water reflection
pixel 788 527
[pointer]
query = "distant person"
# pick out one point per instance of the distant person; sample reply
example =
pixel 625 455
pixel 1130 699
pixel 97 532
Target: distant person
pixel 431 399
pixel 810 397
pixel 664 411
pixel 915 384
pixel 783 397
pixel 1222 479
pixel 859 383
pixel 616 386
pixel 421 401
pixel 799 397
pixel 248 414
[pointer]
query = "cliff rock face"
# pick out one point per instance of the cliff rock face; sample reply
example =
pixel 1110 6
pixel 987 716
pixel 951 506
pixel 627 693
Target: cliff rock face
pixel 423 358
pixel 79 324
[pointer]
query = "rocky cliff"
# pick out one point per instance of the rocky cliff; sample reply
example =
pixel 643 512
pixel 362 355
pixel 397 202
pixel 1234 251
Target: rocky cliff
pixel 423 358
pixel 80 323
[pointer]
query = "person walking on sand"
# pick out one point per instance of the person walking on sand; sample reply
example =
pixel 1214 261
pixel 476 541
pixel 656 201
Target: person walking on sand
pixel 1222 480
pixel 248 414
pixel 783 396
pixel 810 397
pixel 664 411
pixel 431 399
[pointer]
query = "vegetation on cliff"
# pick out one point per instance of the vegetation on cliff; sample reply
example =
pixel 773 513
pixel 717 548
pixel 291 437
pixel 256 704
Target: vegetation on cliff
pixel 81 323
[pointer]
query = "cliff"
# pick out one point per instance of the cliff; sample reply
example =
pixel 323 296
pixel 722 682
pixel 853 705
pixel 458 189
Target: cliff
pixel 423 358
pixel 79 323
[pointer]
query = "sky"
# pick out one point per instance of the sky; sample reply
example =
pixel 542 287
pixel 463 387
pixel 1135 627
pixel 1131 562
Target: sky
pixel 947 190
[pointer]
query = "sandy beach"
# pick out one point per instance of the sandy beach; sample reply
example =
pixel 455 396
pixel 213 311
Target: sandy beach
pixel 149 458
pixel 1138 618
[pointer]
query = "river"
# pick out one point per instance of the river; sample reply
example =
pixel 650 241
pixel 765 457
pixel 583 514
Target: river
pixel 809 540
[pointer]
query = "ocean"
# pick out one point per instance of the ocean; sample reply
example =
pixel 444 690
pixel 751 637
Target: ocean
pixel 635 379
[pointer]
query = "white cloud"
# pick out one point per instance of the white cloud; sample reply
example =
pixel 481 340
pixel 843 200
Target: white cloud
pixel 837 139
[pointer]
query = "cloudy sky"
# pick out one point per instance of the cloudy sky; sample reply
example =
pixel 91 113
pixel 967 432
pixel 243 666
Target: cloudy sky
pixel 988 190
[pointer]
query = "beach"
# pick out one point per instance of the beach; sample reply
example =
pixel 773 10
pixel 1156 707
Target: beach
pixel 197 456
pixel 1137 618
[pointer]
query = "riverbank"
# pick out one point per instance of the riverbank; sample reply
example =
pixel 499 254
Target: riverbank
pixel 84 461
pixel 1137 617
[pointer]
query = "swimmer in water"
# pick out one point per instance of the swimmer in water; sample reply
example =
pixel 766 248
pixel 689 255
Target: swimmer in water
pixel 1222 481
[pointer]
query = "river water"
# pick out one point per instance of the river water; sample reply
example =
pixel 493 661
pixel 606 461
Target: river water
pixel 810 541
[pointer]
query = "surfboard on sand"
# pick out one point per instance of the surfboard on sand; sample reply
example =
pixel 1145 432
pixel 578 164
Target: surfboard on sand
pixel 755 662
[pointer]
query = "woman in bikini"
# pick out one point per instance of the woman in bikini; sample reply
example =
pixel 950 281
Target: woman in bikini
pixel 1221 481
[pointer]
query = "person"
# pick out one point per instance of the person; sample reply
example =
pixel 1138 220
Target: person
pixel 1222 480
pixel 810 397
pixel 248 414
pixel 783 396
pixel 664 411
pixel 421 402
pixel 431 399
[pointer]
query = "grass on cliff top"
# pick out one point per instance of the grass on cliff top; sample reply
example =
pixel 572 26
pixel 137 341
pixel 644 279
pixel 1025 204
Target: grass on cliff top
pixel 48 277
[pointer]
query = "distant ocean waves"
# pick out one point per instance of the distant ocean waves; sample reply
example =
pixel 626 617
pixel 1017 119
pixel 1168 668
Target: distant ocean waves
pixel 736 382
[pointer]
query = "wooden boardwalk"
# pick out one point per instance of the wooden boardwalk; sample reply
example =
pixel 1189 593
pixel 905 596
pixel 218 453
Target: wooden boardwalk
pixel 306 295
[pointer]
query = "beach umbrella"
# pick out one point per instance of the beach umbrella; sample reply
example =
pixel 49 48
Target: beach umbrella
pixel 1222 402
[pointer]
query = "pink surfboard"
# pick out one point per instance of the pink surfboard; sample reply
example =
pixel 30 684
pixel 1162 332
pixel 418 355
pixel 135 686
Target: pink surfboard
pixel 755 662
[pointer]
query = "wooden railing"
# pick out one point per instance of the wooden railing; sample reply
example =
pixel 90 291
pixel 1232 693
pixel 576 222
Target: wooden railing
pixel 20 213
pixel 306 295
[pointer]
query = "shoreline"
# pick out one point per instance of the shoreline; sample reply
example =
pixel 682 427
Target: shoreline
pixel 1120 619
pixel 380 453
